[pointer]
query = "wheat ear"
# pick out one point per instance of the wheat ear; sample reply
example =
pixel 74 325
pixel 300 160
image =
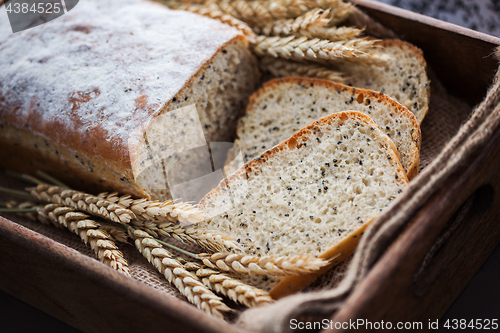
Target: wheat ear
pixel 164 218
pixel 333 34
pixel 295 8
pixel 219 15
pixel 245 264
pixel 187 283
pixel 83 202
pixel 321 50
pixel 252 12
pixel 116 233
pixel 312 24
pixel 31 214
pixel 167 211
pixel 230 287
pixel 199 235
pixel 89 231
pixel 283 68
pixel 286 27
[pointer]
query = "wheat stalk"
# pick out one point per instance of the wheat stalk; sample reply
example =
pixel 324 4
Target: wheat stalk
pixel 267 265
pixel 230 287
pixel 332 34
pixel 264 11
pixel 83 202
pixel 219 15
pixel 25 210
pixel 282 68
pixel 252 12
pixel 286 27
pixel 116 233
pixel 167 211
pixel 199 235
pixel 165 218
pixel 187 283
pixel 89 231
pixel 303 48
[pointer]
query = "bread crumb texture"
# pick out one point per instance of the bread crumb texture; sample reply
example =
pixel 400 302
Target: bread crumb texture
pixel 311 191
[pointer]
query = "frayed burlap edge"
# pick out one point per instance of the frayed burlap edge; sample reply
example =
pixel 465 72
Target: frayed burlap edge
pixel 473 135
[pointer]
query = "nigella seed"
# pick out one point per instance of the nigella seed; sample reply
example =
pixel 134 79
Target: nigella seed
pixel 287 214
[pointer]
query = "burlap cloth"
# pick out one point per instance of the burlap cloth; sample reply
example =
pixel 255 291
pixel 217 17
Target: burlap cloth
pixel 448 125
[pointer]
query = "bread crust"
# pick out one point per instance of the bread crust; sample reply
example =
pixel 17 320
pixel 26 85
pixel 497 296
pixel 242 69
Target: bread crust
pixel 412 169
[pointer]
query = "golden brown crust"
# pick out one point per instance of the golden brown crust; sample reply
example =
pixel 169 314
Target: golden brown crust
pixel 413 168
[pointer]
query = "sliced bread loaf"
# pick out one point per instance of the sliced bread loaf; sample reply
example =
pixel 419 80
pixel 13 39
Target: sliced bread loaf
pixel 314 191
pixel 404 77
pixel 283 106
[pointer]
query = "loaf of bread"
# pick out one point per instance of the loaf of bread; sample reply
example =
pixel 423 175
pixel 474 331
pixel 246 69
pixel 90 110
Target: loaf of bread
pixel 78 94
pixel 283 106
pixel 312 194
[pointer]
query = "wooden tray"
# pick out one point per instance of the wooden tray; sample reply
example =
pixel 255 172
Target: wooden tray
pixel 93 298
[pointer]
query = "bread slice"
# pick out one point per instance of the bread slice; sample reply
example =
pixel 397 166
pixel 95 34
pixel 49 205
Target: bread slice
pixel 283 106
pixel 403 78
pixel 311 193
pixel 80 106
